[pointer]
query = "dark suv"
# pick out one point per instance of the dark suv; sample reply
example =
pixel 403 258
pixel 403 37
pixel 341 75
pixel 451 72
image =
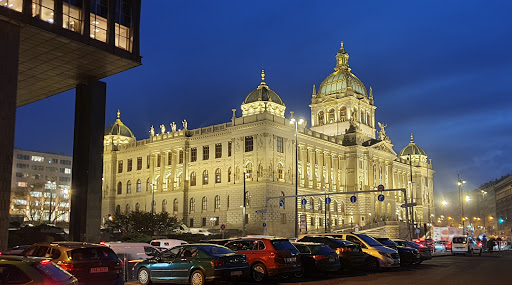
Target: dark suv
pixel 88 262
pixel 268 256
pixel 408 255
pixel 351 255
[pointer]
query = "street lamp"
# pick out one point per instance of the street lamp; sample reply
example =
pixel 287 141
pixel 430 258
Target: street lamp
pixel 444 203
pixel 460 183
pixel 297 123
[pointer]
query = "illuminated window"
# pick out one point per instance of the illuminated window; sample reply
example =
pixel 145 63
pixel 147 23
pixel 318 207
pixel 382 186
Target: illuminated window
pixel 330 116
pixel 205 177
pixel 139 186
pixel 280 174
pixel 343 114
pixel 128 187
pixel 43 9
pixel 72 15
pixel 321 118
pixel 12 4
pixel 122 26
pixel 248 171
pixel 217 175
pixel 99 14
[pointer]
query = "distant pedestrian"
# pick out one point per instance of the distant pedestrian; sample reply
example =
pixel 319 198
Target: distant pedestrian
pixel 490 245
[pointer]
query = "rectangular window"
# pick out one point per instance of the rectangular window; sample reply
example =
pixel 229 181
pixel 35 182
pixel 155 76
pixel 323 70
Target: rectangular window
pixel 229 148
pixel 249 143
pixel 169 158
pixel 99 15
pixel 120 166
pixel 53 160
pixel 64 179
pixel 22 184
pixel 65 162
pixel 43 10
pixel 22 165
pixel 216 221
pixel 158 160
pixel 181 157
pixel 279 147
pixel 148 161
pixel 129 166
pixel 139 163
pixel 191 223
pixel 65 170
pixel 218 150
pixel 37 158
pixel 25 157
pixel 52 169
pixel 37 167
pixel 72 15
pixel 193 154
pixel 204 222
pixel 206 152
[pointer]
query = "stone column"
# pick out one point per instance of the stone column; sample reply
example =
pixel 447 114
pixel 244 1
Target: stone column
pixel 87 161
pixel 9 45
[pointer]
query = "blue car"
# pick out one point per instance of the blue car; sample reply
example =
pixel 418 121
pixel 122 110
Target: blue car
pixel 193 263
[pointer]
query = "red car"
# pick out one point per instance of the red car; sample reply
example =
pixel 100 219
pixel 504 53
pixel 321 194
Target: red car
pixel 268 256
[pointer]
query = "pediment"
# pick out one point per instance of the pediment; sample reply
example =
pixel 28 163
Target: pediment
pixel 384 146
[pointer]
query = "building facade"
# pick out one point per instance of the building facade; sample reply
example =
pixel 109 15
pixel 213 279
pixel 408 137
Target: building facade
pixel 41 184
pixel 201 175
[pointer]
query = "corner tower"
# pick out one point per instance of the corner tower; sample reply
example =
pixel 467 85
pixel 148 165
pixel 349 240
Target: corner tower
pixel 263 99
pixel 342 101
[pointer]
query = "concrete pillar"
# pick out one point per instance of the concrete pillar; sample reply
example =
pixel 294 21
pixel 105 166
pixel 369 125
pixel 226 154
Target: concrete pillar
pixel 9 45
pixel 87 161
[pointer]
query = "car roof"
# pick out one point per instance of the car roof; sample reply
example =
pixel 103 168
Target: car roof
pixel 69 244
pixel 10 258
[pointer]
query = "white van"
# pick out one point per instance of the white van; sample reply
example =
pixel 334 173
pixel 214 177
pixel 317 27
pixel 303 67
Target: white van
pixel 167 243
pixel 465 244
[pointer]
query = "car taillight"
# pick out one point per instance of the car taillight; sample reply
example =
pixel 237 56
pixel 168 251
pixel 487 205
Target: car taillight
pixel 217 262
pixel 319 257
pixel 66 266
pixel 339 250
pixel 45 262
pixel 479 243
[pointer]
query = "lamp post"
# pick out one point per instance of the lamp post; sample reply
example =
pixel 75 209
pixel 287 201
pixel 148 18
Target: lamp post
pixel 244 209
pixel 50 185
pixel 296 219
pixel 460 183
pixel 325 209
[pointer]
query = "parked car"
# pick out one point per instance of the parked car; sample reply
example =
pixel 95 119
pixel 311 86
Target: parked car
pixel 88 262
pixel 32 270
pixel 465 245
pixel 167 243
pixel 130 253
pixel 16 250
pixel 193 263
pixel 316 258
pixel 268 256
pixel 408 255
pixel 380 256
pixel 200 231
pixel 349 253
pixel 221 241
pixel 425 253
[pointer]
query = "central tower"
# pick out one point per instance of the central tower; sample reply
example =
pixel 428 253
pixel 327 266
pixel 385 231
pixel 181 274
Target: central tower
pixel 342 101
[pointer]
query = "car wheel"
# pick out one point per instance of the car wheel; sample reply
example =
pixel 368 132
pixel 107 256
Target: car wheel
pixel 300 273
pixel 372 264
pixel 144 276
pixel 197 278
pixel 258 272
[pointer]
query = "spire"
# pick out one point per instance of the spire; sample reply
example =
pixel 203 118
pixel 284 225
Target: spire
pixel 263 78
pixel 371 96
pixel 412 138
pixel 342 59
pixel 314 91
pixel 118 114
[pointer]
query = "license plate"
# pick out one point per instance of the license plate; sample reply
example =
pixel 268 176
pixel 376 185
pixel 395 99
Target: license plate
pixel 99 269
pixel 236 273
pixel 289 260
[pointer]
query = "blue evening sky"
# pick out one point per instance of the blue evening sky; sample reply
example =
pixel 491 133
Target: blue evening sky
pixel 439 69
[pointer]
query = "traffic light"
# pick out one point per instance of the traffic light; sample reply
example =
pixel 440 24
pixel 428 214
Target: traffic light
pixel 501 220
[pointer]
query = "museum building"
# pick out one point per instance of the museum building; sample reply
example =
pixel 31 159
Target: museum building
pixel 198 174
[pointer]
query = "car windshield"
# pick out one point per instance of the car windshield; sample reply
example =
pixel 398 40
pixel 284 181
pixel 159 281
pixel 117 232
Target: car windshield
pixel 320 249
pixel 92 253
pixel 387 242
pixel 460 240
pixel 215 250
pixel 369 240
pixel 282 244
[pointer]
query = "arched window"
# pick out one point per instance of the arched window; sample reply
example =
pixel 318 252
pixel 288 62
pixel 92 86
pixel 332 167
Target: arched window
pixel 205 177
pixel 127 208
pixel 320 203
pixel 192 205
pixel 137 207
pixel 139 185
pixel 204 204
pixel 321 118
pixel 118 209
pixel 330 116
pixel 128 187
pixel 280 174
pixel 217 175
pixel 164 205
pixel 282 200
pixel 217 202
pixel 311 204
pixel 248 171
pixel 175 206
pixel 342 208
pixel 119 188
pixel 335 206
pixel 147 185
pixel 193 178
pixel 343 114
pixel 247 199
pixel 229 174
